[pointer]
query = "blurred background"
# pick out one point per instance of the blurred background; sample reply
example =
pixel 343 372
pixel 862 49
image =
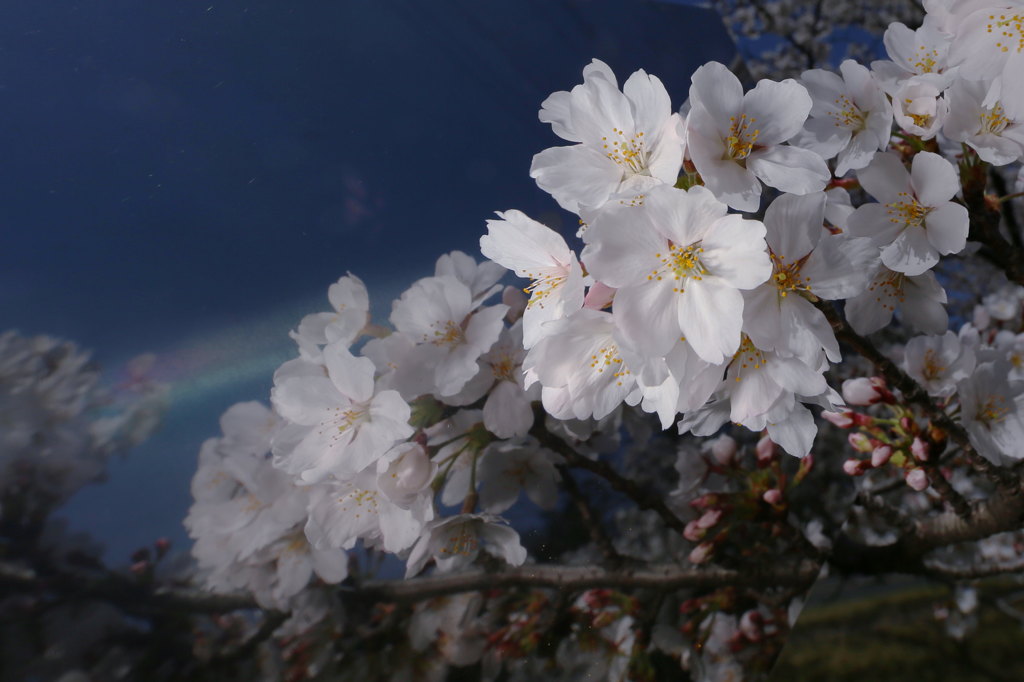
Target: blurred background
pixel 187 178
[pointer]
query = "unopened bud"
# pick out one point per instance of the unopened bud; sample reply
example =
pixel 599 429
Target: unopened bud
pixel 860 391
pixel 880 455
pixel 843 420
pixel 854 467
pixel 693 532
pixel 162 546
pixel 750 625
pixel 723 449
pixel 701 553
pixel 710 518
pixel 919 449
pixel 139 567
pixel 765 450
pixel 917 479
pixel 773 496
pixel 860 442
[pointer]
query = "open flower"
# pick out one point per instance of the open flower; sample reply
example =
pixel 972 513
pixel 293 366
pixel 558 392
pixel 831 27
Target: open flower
pixel 736 140
pixel 914 221
pixel 456 541
pixel 628 140
pixel 850 115
pixel 679 262
pixel 537 252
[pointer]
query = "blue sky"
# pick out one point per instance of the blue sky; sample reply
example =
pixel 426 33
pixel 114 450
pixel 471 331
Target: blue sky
pixel 186 178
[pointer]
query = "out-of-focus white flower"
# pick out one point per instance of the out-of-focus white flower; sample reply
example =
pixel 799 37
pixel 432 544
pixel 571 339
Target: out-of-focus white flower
pixel 351 312
pixel 938 363
pixel 990 409
pixel 456 541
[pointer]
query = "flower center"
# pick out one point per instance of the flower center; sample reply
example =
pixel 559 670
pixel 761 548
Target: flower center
pixel 847 114
pixel 608 358
pixel 1009 29
pixel 933 367
pixel 993 410
pixel 994 120
pixel 907 211
pixel 927 60
pixel 741 138
pixel 888 288
pixel 541 287
pixel 449 334
pixel 681 262
pixel 347 419
pixel 463 543
pixel 504 367
pixel 628 152
pixel 788 277
pixel 747 357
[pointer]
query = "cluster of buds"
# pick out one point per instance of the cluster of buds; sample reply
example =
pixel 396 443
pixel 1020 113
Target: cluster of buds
pixel 896 439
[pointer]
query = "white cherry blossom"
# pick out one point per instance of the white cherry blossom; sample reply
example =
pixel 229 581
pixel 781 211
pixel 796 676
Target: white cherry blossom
pixel 536 252
pixel 678 262
pixel 921 300
pixel 736 140
pixel 627 141
pixel 850 115
pixel 914 221
pixel 998 138
pixel 456 541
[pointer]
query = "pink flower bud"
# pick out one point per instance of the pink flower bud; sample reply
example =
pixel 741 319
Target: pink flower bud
pixel 773 496
pixel 860 442
pixel 853 467
pixel 750 625
pixel 139 567
pixel 723 449
pixel 693 532
pixel 919 449
pixel 917 479
pixel 860 391
pixel 701 553
pixel 880 455
pixel 765 449
pixel 710 518
pixel 843 420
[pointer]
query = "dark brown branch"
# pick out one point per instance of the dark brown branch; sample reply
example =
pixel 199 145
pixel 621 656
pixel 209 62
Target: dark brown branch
pixel 999 513
pixel 659 578
pixel 972 572
pixel 642 498
pixel 593 524
pixel 984 223
pixel 133 596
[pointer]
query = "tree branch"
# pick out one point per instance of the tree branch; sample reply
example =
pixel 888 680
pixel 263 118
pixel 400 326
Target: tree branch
pixel 660 578
pixel 643 499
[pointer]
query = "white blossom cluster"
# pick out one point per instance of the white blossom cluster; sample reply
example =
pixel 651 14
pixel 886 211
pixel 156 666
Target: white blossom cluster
pixel 713 240
pixel 285 493
pixel 58 426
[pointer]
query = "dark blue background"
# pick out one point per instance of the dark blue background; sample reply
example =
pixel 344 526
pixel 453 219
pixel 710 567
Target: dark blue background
pixel 186 178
